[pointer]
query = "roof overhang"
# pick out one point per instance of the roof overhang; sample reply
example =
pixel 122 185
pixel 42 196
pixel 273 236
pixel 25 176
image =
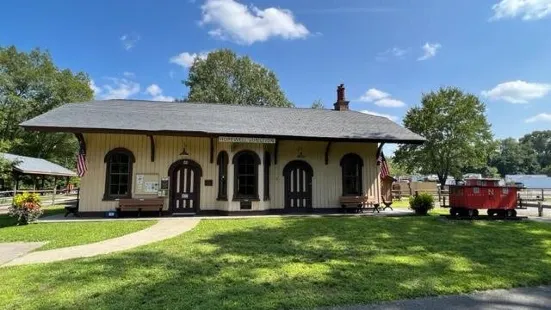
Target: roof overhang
pixel 382 139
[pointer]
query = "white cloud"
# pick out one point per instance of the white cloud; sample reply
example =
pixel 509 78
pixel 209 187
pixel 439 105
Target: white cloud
pixel 390 117
pixel 395 52
pixel 390 103
pixel 243 24
pixel 129 40
pixel 542 117
pixel 154 90
pixel 381 98
pixel 517 91
pixel 94 88
pixel 527 9
pixel 119 89
pixel 186 59
pixel 156 93
pixel 129 75
pixel 429 50
pixel 374 94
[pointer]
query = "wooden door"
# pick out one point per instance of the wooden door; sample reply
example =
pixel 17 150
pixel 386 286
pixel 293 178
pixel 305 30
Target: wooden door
pixel 298 185
pixel 185 186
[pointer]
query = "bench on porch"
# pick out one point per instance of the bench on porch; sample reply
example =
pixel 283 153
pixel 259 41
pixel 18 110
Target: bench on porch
pixel 141 204
pixel 358 203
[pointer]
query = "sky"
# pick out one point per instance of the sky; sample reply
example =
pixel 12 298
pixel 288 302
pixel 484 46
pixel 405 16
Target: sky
pixel 386 52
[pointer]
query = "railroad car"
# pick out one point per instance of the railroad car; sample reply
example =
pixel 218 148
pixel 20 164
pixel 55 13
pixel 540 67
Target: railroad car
pixel 477 194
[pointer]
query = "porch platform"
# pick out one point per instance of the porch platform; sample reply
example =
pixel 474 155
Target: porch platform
pixel 61 218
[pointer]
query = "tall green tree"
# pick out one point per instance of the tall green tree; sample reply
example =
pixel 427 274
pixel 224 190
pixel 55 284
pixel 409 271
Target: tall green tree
pixel 457 132
pixel 540 142
pixel 515 158
pixel 31 84
pixel 224 77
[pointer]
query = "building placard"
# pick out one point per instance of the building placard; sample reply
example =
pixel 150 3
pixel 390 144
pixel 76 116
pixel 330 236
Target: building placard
pixel 147 184
pixel 247 140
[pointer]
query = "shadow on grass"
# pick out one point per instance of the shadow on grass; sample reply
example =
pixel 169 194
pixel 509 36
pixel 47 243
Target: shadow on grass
pixel 293 263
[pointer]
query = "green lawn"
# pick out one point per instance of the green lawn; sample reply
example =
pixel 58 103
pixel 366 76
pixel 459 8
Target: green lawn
pixel 282 263
pixel 404 204
pixel 66 234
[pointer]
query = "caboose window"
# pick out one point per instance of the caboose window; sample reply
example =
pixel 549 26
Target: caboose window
pixel 505 191
pixel 476 190
pixel 483 183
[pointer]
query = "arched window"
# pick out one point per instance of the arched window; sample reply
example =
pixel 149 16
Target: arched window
pixel 222 162
pixel 118 174
pixel 246 175
pixel 351 165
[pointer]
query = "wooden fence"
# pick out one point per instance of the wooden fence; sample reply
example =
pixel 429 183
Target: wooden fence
pixel 48 197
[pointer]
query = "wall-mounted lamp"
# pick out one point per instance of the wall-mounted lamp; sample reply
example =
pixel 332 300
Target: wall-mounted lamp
pixel 300 155
pixel 184 152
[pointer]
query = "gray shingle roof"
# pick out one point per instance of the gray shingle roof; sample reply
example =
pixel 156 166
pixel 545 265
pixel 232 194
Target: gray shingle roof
pixel 218 119
pixel 31 165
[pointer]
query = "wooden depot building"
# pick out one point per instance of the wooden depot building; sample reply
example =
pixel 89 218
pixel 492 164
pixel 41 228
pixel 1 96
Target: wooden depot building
pixel 224 159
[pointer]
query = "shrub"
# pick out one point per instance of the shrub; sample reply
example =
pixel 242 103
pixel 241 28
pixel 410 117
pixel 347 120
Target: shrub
pixel 421 203
pixel 26 208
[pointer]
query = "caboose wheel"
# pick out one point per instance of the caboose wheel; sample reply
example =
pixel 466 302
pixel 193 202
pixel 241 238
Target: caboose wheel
pixel 491 212
pixel 511 213
pixel 472 212
pixel 453 212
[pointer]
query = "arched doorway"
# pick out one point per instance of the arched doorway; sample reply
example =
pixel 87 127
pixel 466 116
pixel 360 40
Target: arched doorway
pixel 298 185
pixel 185 186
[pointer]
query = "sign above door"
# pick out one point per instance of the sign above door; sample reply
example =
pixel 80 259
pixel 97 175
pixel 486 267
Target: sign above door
pixel 247 140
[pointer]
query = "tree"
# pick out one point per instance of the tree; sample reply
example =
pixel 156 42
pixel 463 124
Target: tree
pixel 515 158
pixel 457 132
pixel 395 168
pixel 317 104
pixel 540 142
pixel 223 77
pixel 31 84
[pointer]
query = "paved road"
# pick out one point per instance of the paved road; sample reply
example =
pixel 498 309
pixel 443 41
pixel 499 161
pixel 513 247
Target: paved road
pixel 530 298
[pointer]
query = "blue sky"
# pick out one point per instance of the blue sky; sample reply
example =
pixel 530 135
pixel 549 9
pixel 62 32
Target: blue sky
pixel 386 52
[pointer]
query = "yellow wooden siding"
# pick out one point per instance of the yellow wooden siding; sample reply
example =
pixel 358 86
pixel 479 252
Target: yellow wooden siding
pixel 327 184
pixel 327 179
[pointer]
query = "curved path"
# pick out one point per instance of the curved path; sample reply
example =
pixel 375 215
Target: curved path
pixel 164 229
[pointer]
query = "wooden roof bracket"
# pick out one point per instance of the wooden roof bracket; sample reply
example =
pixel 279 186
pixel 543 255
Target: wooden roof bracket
pixel 379 150
pixel 327 149
pixel 211 150
pixel 152 146
pixel 276 148
pixel 81 141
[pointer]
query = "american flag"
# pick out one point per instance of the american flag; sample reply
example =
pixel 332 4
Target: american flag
pixel 81 161
pixel 385 171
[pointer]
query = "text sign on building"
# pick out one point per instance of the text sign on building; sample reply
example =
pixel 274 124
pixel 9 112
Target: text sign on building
pixel 247 140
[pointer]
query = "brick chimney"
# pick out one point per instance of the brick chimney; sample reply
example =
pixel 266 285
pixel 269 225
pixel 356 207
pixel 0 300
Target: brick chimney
pixel 341 104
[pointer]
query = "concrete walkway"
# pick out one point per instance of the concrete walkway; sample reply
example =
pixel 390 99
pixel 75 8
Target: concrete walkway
pixel 12 250
pixel 528 298
pixel 164 229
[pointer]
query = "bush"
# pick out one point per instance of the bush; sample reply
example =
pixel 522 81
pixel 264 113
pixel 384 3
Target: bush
pixel 421 203
pixel 26 208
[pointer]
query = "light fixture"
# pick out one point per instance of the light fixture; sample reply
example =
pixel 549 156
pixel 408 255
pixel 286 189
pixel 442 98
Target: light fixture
pixel 184 152
pixel 300 155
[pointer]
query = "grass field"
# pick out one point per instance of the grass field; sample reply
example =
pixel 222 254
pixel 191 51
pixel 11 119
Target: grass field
pixel 66 234
pixel 282 263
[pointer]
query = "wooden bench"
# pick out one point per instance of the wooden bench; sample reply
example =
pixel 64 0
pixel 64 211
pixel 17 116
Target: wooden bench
pixel 141 204
pixel 358 203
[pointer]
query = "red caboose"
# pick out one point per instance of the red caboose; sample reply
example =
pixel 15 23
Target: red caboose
pixel 477 194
